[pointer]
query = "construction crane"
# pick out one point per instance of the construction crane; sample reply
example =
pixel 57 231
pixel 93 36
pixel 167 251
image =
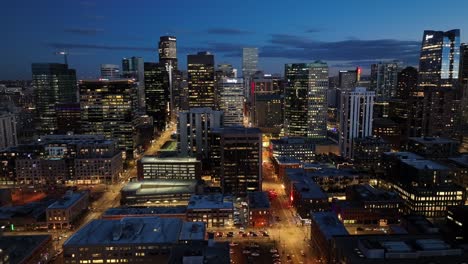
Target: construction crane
pixel 65 55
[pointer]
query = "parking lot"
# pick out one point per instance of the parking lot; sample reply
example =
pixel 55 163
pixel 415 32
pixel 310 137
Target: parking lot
pixel 253 252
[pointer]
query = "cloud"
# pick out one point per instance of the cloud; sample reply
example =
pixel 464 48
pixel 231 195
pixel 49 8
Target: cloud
pixel 303 48
pixel 69 46
pixel 312 30
pixel 227 31
pixel 84 31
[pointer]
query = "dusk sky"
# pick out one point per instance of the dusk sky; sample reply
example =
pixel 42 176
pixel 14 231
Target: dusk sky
pixel 345 34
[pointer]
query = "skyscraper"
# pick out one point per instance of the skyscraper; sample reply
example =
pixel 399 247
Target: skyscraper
pixel 194 127
pixel 157 93
pixel 110 71
pixel 168 51
pixel 384 79
pixel 231 100
pixel 306 99
pixel 108 108
pixel 54 83
pixel 249 61
pixel 347 80
pixel 201 80
pixel 134 68
pixel 463 94
pixel 438 76
pixel 8 134
pixel 356 118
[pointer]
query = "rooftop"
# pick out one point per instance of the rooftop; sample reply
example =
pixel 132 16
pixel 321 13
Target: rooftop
pixel 422 164
pixel 160 187
pixel 329 224
pixel 404 155
pixel 395 249
pixel 146 210
pixel 291 140
pixel 210 201
pixel 461 161
pixel 367 192
pixel 68 200
pixel 192 231
pixel 154 159
pixel 20 247
pixel 128 230
pixel 307 188
pixel 432 140
pixel 258 200
pixel 285 160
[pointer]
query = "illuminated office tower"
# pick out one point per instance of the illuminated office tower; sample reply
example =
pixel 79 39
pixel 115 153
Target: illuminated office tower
pixel 108 108
pixel 463 112
pixel 168 51
pixel 438 77
pixel 53 83
pixel 249 61
pixel 356 118
pixel 201 80
pixel 231 100
pixel 110 71
pixel 157 93
pixel 134 68
pixel 306 99
pixel 384 76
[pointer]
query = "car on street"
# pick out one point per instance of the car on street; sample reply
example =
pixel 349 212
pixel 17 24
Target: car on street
pixel 276 256
pixel 273 250
pixel 245 251
pixel 255 254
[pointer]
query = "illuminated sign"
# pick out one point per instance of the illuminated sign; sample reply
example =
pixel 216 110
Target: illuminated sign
pixel 173 39
pixel 231 80
pixel 429 37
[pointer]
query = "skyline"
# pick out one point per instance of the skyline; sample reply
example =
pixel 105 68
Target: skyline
pixel 96 33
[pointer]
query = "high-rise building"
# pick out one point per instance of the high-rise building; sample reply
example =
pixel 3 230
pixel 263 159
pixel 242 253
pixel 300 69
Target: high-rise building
pixel 237 155
pixel 201 80
pixel 110 71
pixel 266 104
pixel 157 94
pixel 194 127
pixel 231 100
pixel 225 70
pixel 68 118
pixel 8 136
pixel 438 76
pixel 355 118
pixel 347 80
pixel 306 99
pixel 134 68
pixel 384 79
pixel 108 108
pixel 463 94
pixel 249 61
pixel 54 83
pixel 168 51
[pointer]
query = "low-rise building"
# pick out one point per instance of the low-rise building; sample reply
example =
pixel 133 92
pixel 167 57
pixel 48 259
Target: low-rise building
pixel 402 249
pixel 304 194
pixel 26 249
pixel 368 150
pixel 368 205
pixel 159 211
pixel 259 209
pixel 168 192
pixel 65 211
pixel 433 147
pixel 170 168
pixel 300 148
pixel 281 163
pixel 457 222
pixel 216 210
pixel 324 226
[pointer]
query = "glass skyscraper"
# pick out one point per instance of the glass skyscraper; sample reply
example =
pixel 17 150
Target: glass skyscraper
pixel 168 51
pixel 54 83
pixel 201 80
pixel 306 99
pixel 249 61
pixel 157 93
pixel 438 78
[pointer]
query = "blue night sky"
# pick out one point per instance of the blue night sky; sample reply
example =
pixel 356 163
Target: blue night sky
pixel 343 33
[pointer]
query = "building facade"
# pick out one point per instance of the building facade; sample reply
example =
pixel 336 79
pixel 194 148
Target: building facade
pixel 64 212
pixel 306 100
pixel 201 80
pixel 384 79
pixel 157 93
pixel 110 71
pixel 8 135
pixel 231 100
pixel 178 168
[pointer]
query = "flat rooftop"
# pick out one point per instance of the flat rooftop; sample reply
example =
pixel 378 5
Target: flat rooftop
pixel 404 155
pixel 258 200
pixel 422 164
pixel 145 210
pixel 432 140
pixel 329 224
pixel 396 249
pixel 210 201
pixel 367 192
pixel 128 230
pixel 155 159
pixel 461 161
pixel 286 160
pixel 67 201
pixel 160 187
pixel 192 231
pixel 20 247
